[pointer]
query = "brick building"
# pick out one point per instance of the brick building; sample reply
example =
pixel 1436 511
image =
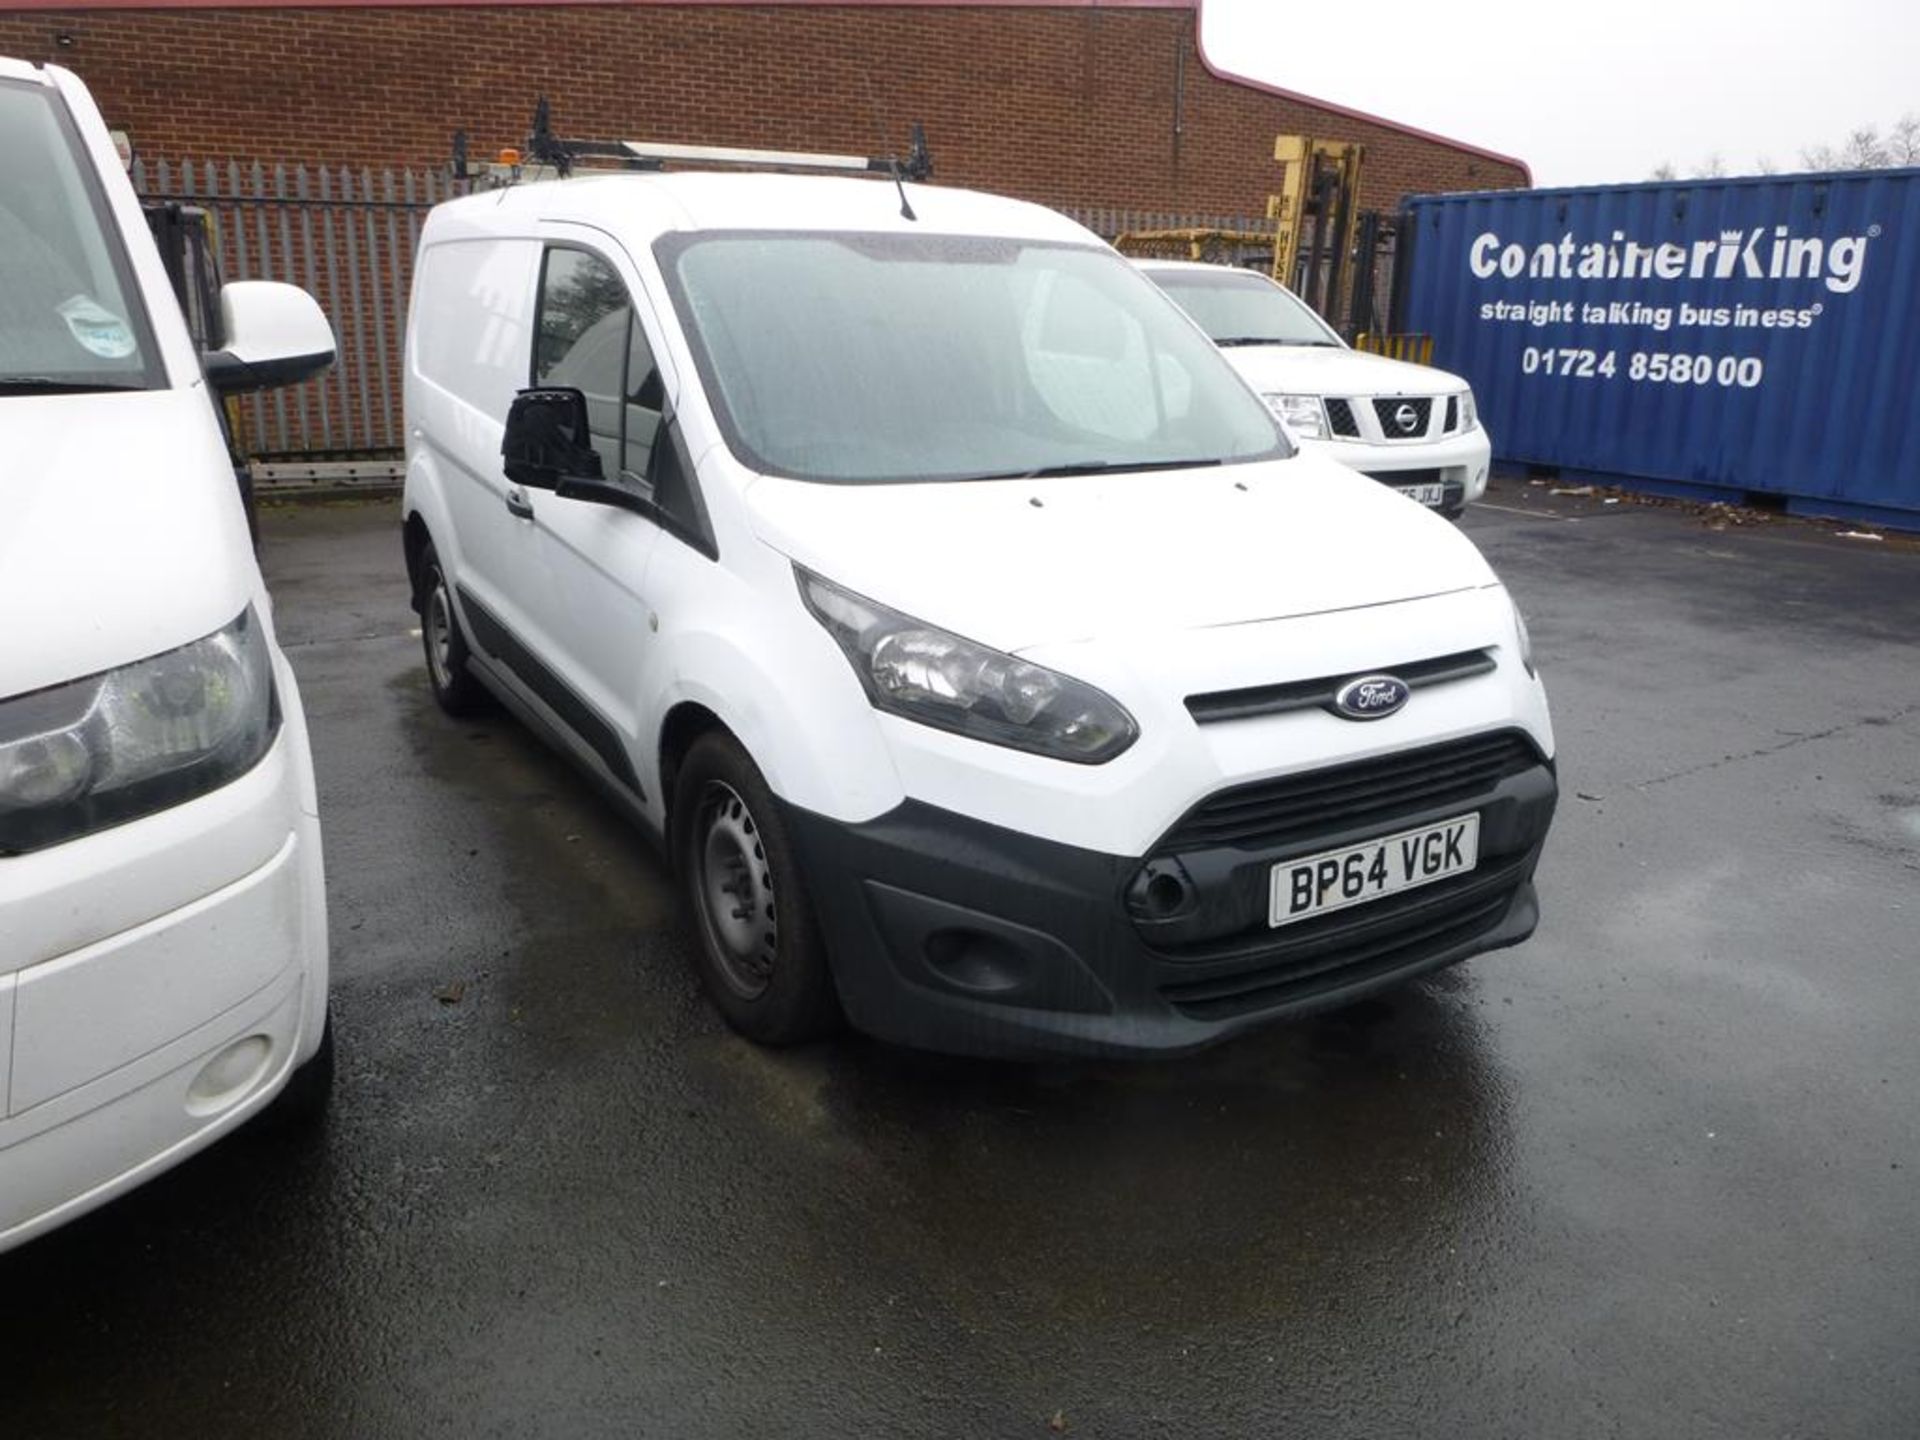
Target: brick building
pixel 1070 102
pixel 317 134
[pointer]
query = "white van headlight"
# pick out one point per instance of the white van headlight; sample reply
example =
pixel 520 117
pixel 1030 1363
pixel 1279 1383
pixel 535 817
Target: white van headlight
pixel 1526 641
pixel 1304 413
pixel 91 753
pixel 940 679
pixel 1468 417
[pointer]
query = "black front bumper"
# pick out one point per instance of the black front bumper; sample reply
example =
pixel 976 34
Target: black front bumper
pixel 947 933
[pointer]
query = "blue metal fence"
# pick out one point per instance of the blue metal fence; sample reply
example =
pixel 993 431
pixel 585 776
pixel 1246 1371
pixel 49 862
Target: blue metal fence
pixel 1729 337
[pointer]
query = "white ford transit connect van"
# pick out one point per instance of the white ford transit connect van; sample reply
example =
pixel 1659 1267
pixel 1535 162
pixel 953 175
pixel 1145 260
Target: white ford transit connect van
pixel 991 667
pixel 1410 427
pixel 163 942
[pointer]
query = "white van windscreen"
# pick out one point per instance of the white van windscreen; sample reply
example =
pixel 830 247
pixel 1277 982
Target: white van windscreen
pixel 66 319
pixel 881 358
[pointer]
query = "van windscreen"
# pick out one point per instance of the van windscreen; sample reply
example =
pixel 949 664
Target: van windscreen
pixel 68 318
pixel 856 358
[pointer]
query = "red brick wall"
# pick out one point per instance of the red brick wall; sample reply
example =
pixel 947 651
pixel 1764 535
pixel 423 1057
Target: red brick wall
pixel 1069 106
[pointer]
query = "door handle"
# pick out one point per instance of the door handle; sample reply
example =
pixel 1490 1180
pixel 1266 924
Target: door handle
pixel 517 503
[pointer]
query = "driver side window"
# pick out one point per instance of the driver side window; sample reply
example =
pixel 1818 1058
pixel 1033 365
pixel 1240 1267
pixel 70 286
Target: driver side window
pixel 580 340
pixel 588 337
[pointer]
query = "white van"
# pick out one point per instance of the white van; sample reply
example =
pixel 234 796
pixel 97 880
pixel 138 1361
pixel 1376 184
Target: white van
pixel 1411 427
pixel 163 939
pixel 992 669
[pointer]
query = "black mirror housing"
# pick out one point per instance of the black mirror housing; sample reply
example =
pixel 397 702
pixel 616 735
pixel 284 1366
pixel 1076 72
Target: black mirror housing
pixel 548 441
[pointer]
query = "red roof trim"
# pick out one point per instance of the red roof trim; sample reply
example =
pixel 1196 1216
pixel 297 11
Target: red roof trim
pixel 81 6
pixel 1199 31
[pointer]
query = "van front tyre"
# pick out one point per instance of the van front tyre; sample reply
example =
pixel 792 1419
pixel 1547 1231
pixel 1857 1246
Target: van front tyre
pixel 454 687
pixel 761 958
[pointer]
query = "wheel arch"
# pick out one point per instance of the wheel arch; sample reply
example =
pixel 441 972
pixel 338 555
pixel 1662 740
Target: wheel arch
pixel 817 746
pixel 414 539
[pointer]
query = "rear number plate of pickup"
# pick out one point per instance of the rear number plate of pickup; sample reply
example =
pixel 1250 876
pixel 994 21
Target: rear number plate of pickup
pixel 1335 879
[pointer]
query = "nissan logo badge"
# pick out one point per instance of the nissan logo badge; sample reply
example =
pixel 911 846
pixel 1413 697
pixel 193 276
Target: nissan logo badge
pixel 1406 417
pixel 1371 697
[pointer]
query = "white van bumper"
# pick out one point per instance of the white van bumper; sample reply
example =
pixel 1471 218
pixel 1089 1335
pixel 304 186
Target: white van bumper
pixel 159 982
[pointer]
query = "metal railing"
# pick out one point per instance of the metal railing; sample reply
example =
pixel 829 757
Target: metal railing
pixel 346 236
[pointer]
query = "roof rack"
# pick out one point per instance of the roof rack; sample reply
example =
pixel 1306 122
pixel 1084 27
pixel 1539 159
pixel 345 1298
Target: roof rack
pixel 549 155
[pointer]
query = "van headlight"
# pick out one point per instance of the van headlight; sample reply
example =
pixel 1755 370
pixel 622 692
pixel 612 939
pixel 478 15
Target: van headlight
pixel 929 675
pixel 1526 642
pixel 91 753
pixel 1468 417
pixel 1304 413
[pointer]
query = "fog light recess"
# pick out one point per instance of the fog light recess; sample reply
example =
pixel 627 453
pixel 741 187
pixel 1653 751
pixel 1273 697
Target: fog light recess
pixel 229 1075
pixel 975 960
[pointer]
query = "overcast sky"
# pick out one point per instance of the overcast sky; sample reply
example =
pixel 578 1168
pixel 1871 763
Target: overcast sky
pixel 1593 92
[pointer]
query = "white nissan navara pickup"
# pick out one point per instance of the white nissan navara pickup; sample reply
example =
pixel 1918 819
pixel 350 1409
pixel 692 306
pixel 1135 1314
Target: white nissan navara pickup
pixel 1410 427
pixel 993 670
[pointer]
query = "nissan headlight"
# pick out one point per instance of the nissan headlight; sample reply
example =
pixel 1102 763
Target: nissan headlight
pixel 1468 417
pixel 928 675
pixel 1303 414
pixel 79 757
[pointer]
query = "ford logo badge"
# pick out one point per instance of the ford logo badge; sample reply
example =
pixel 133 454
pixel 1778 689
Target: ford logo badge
pixel 1406 417
pixel 1371 697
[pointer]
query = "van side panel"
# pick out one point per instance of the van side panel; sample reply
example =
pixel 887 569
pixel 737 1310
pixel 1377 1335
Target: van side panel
pixel 468 350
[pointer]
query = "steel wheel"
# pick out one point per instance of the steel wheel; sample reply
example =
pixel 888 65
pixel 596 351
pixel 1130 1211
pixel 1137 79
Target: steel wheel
pixel 734 890
pixel 439 626
pixel 760 956
pixel 446 648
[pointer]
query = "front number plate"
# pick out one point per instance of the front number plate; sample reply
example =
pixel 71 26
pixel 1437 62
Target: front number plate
pixel 1431 496
pixel 1315 884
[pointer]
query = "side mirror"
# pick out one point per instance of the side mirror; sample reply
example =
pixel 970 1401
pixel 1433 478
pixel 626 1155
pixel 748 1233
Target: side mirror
pixel 276 335
pixel 548 441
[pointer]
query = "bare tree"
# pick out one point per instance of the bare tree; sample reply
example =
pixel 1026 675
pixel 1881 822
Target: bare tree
pixel 1903 140
pixel 1866 149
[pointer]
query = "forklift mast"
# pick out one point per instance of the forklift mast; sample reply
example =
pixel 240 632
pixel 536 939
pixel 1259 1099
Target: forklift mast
pixel 1319 180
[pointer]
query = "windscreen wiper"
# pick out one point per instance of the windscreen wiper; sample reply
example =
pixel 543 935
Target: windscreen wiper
pixel 1233 340
pixel 1099 467
pixel 45 385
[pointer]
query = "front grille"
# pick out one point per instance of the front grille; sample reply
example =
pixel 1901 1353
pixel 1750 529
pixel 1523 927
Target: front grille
pixel 1341 418
pixel 1452 421
pixel 1218 705
pixel 1349 947
pixel 1274 812
pixel 1387 411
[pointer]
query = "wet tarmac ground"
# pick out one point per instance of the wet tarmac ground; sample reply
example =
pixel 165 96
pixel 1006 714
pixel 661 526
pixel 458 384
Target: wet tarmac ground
pixel 1651 1174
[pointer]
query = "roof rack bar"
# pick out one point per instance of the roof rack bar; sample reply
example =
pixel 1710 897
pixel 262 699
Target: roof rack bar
pixel 543 147
pixel 730 155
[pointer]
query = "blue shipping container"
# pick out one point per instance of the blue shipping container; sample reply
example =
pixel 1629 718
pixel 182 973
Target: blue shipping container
pixel 1729 336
